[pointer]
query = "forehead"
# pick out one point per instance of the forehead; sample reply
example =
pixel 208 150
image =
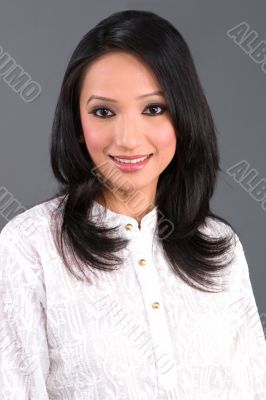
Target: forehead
pixel 119 69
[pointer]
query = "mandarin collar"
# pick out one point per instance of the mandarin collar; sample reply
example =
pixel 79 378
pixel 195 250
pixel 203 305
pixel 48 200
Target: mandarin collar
pixel 111 218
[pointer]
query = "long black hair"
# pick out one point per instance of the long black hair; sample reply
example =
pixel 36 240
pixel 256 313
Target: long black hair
pixel 184 188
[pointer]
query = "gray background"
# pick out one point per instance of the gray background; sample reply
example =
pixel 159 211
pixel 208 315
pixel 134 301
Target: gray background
pixel 41 37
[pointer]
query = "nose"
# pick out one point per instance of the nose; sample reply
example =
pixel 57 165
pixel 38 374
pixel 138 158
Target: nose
pixel 128 132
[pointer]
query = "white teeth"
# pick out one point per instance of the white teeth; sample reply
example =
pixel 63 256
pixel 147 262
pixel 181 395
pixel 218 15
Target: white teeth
pixel 125 161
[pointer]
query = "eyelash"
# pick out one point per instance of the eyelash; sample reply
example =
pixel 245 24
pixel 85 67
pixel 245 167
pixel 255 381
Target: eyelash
pixel 163 107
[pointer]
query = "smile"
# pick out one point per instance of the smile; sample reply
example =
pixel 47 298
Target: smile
pixel 129 161
pixel 131 165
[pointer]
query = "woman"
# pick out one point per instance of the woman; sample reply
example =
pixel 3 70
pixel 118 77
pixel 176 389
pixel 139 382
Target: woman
pixel 125 285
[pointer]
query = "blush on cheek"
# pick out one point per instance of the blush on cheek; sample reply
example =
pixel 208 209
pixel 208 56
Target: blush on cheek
pixel 93 140
pixel 166 137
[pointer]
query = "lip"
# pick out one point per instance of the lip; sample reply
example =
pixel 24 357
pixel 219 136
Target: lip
pixel 131 157
pixel 131 167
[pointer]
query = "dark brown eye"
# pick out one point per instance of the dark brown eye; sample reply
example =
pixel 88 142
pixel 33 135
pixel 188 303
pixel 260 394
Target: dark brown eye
pixel 103 112
pixel 154 109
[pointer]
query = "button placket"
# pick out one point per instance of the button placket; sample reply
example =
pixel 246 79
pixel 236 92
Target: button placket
pixel 147 276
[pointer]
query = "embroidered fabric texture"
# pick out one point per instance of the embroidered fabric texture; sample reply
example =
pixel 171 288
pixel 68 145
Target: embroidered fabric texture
pixel 139 332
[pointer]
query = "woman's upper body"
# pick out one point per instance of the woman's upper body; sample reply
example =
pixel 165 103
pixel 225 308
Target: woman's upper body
pixel 130 90
pixel 138 332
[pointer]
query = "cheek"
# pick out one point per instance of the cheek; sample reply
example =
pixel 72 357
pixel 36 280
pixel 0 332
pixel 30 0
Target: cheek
pixel 166 137
pixel 93 141
pixel 94 138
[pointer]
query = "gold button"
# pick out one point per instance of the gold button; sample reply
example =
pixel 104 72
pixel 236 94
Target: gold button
pixel 129 227
pixel 156 304
pixel 142 262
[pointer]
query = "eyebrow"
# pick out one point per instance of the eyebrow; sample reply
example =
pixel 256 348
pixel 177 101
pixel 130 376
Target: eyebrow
pixel 157 93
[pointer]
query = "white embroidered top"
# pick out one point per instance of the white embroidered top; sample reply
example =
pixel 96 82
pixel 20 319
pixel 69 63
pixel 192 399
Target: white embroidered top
pixel 136 333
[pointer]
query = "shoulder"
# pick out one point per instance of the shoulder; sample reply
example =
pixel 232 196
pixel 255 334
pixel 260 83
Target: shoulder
pixel 216 228
pixel 30 225
pixel 235 256
pixel 238 269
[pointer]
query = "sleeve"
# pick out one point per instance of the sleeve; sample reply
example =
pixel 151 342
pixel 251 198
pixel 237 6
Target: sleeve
pixel 24 357
pixel 250 344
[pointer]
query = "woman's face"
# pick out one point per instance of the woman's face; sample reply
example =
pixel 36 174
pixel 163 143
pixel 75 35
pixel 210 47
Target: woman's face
pixel 130 121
